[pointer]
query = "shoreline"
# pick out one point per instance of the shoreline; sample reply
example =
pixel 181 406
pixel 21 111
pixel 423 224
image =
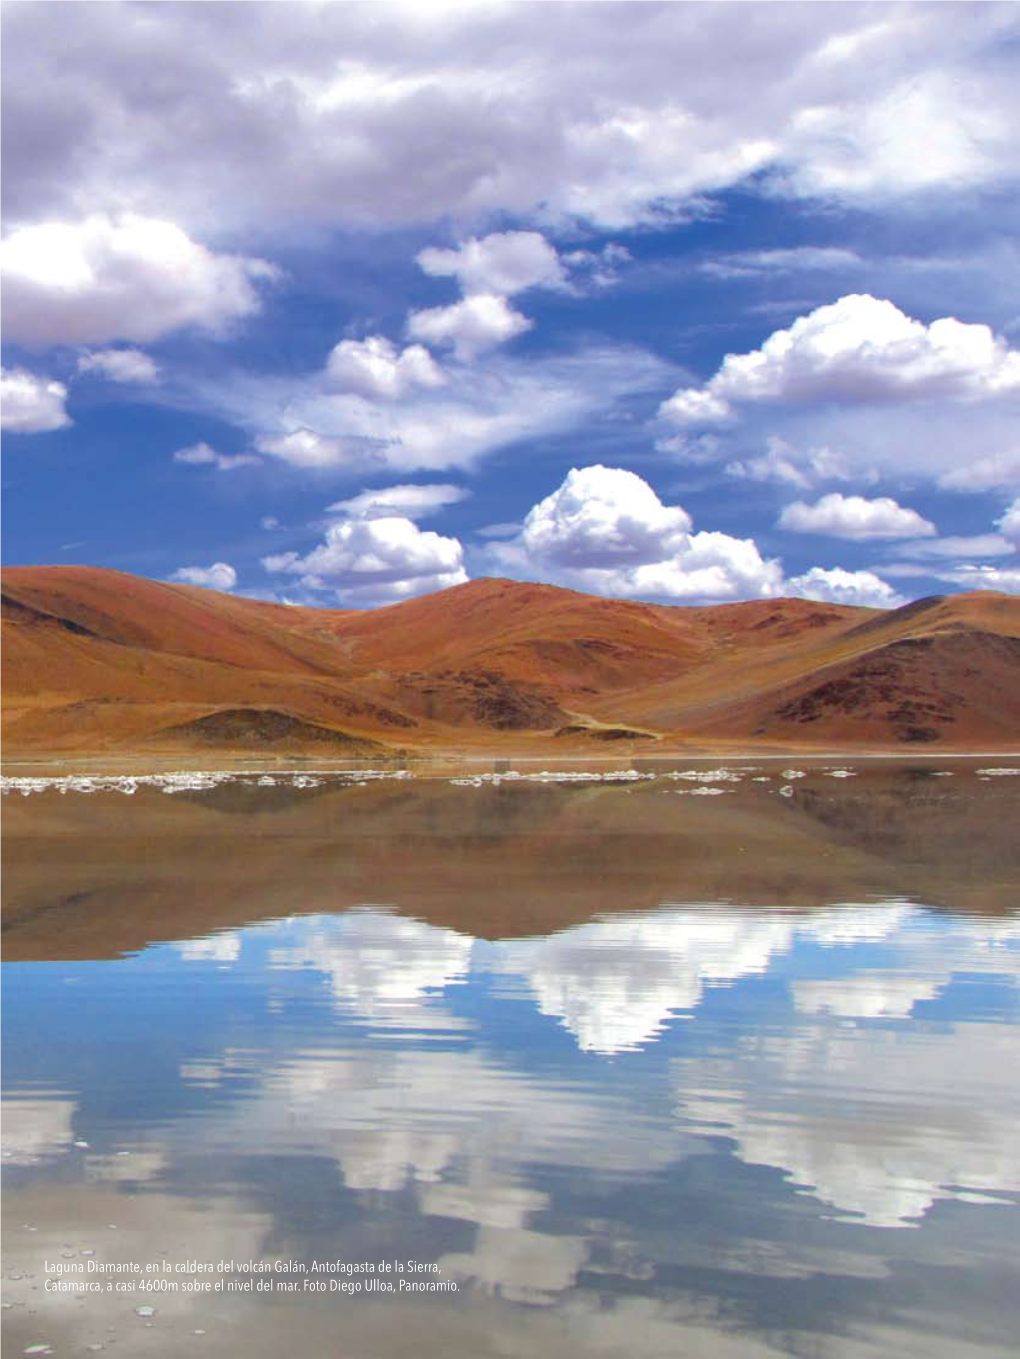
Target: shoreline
pixel 15 774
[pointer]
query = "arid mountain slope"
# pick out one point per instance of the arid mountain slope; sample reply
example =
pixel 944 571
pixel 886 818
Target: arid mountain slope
pixel 99 660
pixel 944 669
pixel 181 620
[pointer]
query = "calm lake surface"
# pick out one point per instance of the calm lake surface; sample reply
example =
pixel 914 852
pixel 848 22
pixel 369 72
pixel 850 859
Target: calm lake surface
pixel 693 1060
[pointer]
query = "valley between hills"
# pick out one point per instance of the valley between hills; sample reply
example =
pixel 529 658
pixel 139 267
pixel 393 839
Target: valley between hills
pixel 99 662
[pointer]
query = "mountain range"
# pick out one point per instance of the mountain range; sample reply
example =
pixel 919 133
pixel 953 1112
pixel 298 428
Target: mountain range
pixel 97 660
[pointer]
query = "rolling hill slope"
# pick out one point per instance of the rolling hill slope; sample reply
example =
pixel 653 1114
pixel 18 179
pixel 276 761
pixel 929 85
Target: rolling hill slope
pixel 97 660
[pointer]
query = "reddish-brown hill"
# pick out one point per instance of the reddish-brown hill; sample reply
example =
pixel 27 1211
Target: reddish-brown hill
pixel 100 660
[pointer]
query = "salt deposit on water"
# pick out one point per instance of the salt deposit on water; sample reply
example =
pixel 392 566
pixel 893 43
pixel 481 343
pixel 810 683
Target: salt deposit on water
pixel 187 781
pixel 555 776
pixel 200 780
pixel 707 775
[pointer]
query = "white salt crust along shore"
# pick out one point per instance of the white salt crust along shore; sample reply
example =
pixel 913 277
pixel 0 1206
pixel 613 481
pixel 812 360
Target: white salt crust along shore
pixel 188 781
pixel 199 780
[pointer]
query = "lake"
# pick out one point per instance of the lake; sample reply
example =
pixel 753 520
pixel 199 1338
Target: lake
pixel 643 1060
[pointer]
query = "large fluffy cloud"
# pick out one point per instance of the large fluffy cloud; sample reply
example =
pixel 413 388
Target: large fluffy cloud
pixel 859 349
pixel 838 586
pixel 30 404
pixel 376 561
pixel 604 529
pixel 504 262
pixel 604 517
pixel 471 326
pixel 219 576
pixel 852 516
pixel 387 113
pixel 374 368
pixel 119 278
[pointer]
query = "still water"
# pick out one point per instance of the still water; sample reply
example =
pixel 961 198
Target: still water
pixel 692 1061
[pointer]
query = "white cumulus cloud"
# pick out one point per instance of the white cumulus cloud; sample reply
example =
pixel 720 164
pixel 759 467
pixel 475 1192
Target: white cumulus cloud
pixel 697 406
pixel 373 368
pixel 604 517
pixel 714 566
pixel 30 404
pixel 854 517
pixel 605 530
pixel 471 326
pixel 376 561
pixel 504 262
pixel 409 501
pixel 837 586
pixel 120 365
pixel 123 278
pixel 857 350
pixel 219 576
pixel 1009 524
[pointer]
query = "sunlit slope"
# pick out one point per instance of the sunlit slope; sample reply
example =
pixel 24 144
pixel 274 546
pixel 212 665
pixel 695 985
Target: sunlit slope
pixel 97 659
pixel 579 650
pixel 180 620
pixel 943 670
pixel 535 633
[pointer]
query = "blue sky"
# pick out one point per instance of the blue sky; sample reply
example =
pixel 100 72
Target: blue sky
pixel 345 303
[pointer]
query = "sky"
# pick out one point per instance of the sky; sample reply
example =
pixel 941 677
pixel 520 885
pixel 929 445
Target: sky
pixel 339 304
